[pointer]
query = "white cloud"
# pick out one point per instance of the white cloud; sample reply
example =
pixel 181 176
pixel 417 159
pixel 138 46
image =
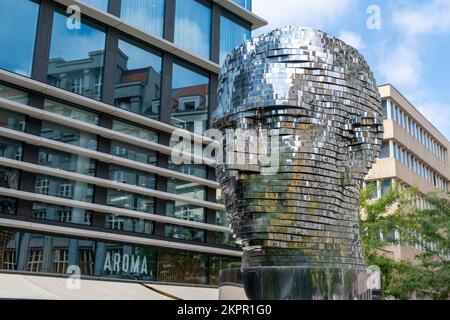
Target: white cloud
pixel 429 17
pixel 402 65
pixel 305 13
pixel 353 39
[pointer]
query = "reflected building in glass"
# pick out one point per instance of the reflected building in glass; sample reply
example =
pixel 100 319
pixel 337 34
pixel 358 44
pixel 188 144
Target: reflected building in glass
pixel 87 109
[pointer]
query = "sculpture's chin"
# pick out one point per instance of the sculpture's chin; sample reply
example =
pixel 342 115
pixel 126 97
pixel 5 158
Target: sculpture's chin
pixel 297 283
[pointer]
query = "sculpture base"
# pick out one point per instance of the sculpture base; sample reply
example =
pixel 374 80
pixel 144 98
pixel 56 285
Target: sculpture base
pixel 296 283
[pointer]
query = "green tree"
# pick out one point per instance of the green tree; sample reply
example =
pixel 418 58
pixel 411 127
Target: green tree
pixel 428 277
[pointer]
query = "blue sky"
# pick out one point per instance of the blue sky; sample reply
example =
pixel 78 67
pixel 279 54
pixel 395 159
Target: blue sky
pixel 411 50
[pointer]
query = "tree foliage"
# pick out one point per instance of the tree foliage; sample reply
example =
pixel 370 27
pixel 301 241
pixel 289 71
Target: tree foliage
pixel 428 276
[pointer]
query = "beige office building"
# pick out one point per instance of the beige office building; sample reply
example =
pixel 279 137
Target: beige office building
pixel 414 153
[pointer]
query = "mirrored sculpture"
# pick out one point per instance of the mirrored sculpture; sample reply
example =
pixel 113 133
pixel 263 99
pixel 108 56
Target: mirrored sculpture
pixel 298 225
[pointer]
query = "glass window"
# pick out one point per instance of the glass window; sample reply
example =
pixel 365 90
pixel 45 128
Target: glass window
pixel 18 35
pixel 386 186
pixel 182 267
pixel 77 57
pixel 12 94
pixel 197 170
pixel 62 214
pixel 232 33
pixel 47 253
pixel 138 80
pixel 131 152
pixel 384 153
pixel 66 161
pixel 114 222
pixel 222 219
pixel 71 112
pixel 9 178
pixel 99 4
pixel 68 135
pixel 130 201
pixel 135 131
pixel 193 26
pixel 219 263
pixel 384 107
pixel 147 15
pixel 11 149
pixel 185 211
pixel 225 239
pixel 132 176
pixel 8 206
pixel 63 188
pixel 247 4
pixel 12 120
pixel 184 233
pixel 179 209
pixel 190 99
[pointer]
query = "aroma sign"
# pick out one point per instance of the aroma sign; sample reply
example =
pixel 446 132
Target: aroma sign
pixel 117 263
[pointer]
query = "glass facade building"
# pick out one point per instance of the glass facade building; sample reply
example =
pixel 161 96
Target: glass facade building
pixel 87 112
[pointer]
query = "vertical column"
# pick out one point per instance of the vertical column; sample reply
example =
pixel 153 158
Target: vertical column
pixel 210 213
pixel 43 39
pixel 169 20
pixel 164 138
pixel 215 32
pixel 114 7
pixel 109 76
pixel 102 171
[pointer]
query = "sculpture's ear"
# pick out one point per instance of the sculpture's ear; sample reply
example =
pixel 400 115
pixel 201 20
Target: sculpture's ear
pixel 364 136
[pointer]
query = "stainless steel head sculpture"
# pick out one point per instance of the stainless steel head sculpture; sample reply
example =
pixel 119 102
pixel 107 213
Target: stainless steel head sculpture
pixel 299 226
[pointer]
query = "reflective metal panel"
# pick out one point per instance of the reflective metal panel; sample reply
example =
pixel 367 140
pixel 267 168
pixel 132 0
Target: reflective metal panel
pixel 318 96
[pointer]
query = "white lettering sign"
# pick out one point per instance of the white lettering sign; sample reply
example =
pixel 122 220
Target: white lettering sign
pixel 117 263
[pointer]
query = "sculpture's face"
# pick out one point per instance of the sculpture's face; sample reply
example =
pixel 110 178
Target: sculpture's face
pixel 319 96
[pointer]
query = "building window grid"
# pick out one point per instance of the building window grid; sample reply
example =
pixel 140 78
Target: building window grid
pixel 35 260
pixel 395 113
pixel 417 166
pixel 9 260
pixel 60 260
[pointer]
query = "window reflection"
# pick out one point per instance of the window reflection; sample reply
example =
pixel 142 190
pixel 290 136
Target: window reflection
pixel 232 33
pixel 68 135
pixel 131 152
pixel 181 210
pixel 12 120
pixel 138 78
pixel 193 26
pixel 77 57
pixel 8 205
pixel 184 233
pixel 130 201
pixel 66 161
pixel 63 188
pixel 18 35
pixel 9 178
pixel 147 15
pixel 132 176
pixel 62 214
pixel 247 4
pixel 12 94
pixel 71 112
pixel 98 259
pixel 11 149
pixel 182 267
pixel 99 4
pixel 190 99
pixel 135 131
pixel 114 222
